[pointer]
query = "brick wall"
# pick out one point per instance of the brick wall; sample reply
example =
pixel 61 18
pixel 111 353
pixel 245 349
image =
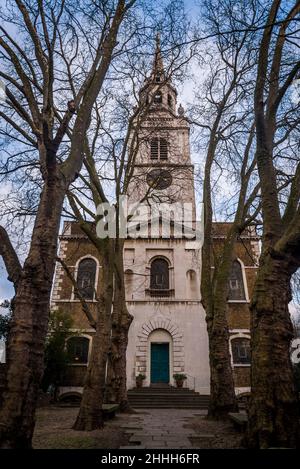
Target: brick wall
pixel 246 250
pixel 238 316
pixel 74 245
pixel 74 376
pixel 241 376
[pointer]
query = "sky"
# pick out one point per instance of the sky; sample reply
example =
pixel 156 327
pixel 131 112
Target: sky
pixel 6 288
pixel 185 96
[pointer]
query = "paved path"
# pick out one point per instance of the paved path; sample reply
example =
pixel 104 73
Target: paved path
pixel 161 428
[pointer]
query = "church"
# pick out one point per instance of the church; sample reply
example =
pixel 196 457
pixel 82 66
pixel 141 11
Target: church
pixel 162 270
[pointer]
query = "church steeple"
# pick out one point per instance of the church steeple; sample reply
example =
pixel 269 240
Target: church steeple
pixel 158 87
pixel 158 71
pixel 163 171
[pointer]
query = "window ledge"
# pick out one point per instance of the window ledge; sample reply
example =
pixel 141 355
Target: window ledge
pixel 77 364
pixel 159 293
pixel 78 301
pixel 241 365
pixel 239 301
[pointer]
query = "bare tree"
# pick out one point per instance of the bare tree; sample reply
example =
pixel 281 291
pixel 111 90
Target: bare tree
pixel 111 151
pixel 55 40
pixel 223 115
pixel 274 406
pixel 90 414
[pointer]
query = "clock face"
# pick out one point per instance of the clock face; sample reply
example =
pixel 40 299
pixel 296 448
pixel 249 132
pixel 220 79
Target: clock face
pixel 159 179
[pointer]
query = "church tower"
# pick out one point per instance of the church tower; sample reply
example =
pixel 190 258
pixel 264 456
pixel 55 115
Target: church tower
pixel 162 273
pixel 162 269
pixel 163 170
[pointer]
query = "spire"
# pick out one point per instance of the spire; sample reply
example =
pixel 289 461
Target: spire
pixel 158 66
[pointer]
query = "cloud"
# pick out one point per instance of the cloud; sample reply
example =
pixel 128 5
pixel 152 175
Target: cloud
pixel 6 287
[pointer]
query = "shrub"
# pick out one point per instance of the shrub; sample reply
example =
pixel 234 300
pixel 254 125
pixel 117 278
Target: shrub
pixel 179 376
pixel 56 355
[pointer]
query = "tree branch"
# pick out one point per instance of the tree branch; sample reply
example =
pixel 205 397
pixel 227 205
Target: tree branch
pixel 10 258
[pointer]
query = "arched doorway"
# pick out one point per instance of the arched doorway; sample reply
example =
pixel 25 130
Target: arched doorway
pixel 160 356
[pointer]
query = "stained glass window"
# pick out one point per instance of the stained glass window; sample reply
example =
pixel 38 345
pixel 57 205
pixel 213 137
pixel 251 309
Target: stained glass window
pixel 86 277
pixel 236 282
pixel 159 277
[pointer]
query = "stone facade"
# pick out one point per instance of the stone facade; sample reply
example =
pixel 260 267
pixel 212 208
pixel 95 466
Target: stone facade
pixel 181 316
pixel 174 317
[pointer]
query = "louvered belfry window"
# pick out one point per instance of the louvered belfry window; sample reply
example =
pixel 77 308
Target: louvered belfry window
pixel 86 277
pixel 159 276
pixel 154 148
pixel 163 149
pixel 236 283
pixel 158 149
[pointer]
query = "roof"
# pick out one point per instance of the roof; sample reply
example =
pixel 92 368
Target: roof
pixel 221 229
pixel 71 229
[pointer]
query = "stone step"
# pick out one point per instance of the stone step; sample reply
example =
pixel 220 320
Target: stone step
pixel 160 390
pixel 167 398
pixel 165 401
pixel 169 405
pixel 167 387
pixel 167 393
pixel 172 395
pixel 172 398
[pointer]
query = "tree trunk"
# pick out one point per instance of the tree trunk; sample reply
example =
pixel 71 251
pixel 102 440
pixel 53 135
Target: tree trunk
pixel 214 292
pixel 30 321
pixel 222 394
pixel 118 376
pixel 90 415
pixel 117 379
pixel 274 406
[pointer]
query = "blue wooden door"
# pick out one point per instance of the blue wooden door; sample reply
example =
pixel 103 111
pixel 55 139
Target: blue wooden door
pixel 160 363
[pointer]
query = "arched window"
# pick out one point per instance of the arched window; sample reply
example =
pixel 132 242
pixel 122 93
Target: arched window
pixel 157 98
pixel 170 102
pixel 159 275
pixel 158 149
pixel 86 277
pixel 241 353
pixel 236 283
pixel 78 349
pixel 154 148
pixel 157 78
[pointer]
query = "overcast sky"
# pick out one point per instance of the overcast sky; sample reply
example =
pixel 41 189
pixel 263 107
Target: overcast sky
pixel 185 96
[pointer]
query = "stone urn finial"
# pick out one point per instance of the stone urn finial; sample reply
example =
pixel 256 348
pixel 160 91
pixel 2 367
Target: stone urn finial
pixel 180 110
